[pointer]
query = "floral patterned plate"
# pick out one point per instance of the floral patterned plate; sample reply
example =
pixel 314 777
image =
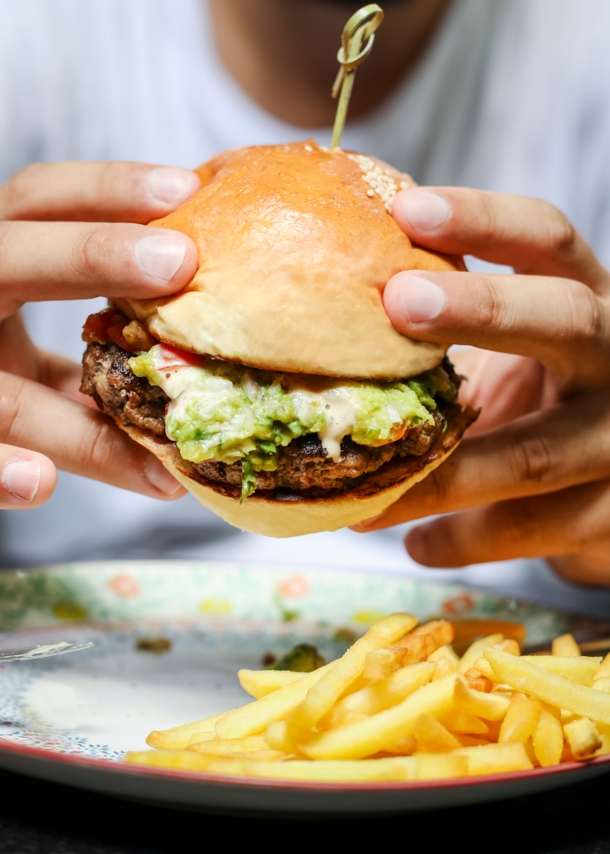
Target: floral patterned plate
pixel 169 638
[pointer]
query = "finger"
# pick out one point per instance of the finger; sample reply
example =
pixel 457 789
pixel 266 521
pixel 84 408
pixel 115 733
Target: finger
pixel 547 319
pixel 539 453
pixel 561 523
pixel 41 261
pixel 590 566
pixel 19 356
pixel 117 191
pixel 528 234
pixel 27 479
pixel 78 439
pixel 502 386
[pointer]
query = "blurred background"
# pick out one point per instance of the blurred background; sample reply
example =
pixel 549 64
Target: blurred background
pixel 509 95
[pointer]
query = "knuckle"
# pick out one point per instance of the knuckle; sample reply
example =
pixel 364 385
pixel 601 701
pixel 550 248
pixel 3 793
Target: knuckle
pixel 487 226
pixel 435 492
pixel 490 307
pixel 88 252
pixel 515 524
pixel 588 317
pixel 15 191
pixel 561 234
pixel 98 445
pixel 11 407
pixel 120 180
pixel 115 177
pixel 531 460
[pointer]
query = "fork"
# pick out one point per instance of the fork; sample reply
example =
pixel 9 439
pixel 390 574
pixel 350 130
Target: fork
pixel 42 651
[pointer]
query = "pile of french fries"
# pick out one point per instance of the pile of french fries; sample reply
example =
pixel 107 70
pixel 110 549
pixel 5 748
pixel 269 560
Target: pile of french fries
pixel 402 705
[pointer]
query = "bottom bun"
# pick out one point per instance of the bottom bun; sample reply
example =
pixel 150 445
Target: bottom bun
pixel 292 515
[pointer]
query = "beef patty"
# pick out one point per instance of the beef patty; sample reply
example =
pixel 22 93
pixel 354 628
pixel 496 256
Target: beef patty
pixel 303 465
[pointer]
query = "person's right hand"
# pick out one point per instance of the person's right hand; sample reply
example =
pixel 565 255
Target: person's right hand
pixel 75 231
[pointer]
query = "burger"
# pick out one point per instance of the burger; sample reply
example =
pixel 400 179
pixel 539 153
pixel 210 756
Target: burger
pixel 273 386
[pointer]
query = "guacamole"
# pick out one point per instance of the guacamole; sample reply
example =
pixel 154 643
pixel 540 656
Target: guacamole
pixel 230 413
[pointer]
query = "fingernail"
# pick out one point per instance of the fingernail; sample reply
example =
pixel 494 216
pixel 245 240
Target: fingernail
pixel 425 211
pixel 160 478
pixel 363 527
pixel 160 256
pixel 421 299
pixel 21 478
pixel 171 185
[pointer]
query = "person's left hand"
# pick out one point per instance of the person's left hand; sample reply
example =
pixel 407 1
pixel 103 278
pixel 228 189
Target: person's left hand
pixel 532 478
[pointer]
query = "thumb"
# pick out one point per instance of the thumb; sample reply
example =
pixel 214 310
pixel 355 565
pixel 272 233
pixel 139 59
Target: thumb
pixel 27 479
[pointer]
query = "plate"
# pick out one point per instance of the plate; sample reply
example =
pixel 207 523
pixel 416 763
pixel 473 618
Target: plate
pixel 69 719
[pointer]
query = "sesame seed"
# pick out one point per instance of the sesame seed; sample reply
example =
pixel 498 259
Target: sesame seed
pixel 308 148
pixel 381 181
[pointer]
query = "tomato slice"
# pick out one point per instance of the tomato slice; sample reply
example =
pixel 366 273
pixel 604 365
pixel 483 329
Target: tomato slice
pixel 97 325
pixel 169 358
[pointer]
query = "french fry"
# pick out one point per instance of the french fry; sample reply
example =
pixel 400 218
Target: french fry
pixel 259 683
pixel 392 768
pixel 432 737
pixel 326 691
pixel 401 705
pixel 471 629
pixel 184 760
pixel 521 719
pixel 278 738
pixel 439 766
pixel 495 758
pixel 484 668
pixel 444 667
pixel 442 653
pixel 583 738
pixel 490 707
pixel 475 651
pixel 340 716
pixel 384 729
pixel 582 670
pixel 472 740
pixel 477 681
pixel 220 746
pixel 604 668
pixel 268 755
pixel 602 684
pixel 463 722
pixel 446 661
pixel 509 645
pixel 550 687
pixel 604 734
pixel 424 640
pixel 403 747
pixel 256 717
pixel 379 663
pixel 548 737
pixel 384 693
pixel 178 737
pixel 565 646
pixel 415 647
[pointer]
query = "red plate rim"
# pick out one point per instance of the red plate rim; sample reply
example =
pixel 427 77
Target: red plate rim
pixel 264 782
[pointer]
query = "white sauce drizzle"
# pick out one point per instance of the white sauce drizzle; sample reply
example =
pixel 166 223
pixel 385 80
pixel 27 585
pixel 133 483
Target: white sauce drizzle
pixel 340 415
pixel 334 401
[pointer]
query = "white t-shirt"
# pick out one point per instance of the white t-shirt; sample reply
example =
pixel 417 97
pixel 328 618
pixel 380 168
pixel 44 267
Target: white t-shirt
pixel 512 95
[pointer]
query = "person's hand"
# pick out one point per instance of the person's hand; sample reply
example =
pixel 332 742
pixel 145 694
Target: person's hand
pixel 533 476
pixel 73 231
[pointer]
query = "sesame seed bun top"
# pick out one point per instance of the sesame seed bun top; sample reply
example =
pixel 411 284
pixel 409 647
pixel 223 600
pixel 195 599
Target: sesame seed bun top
pixel 295 246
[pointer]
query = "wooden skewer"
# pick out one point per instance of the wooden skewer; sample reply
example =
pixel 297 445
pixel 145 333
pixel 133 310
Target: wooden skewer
pixel 357 42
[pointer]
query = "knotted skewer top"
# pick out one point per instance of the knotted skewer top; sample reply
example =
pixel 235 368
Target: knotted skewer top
pixel 357 42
